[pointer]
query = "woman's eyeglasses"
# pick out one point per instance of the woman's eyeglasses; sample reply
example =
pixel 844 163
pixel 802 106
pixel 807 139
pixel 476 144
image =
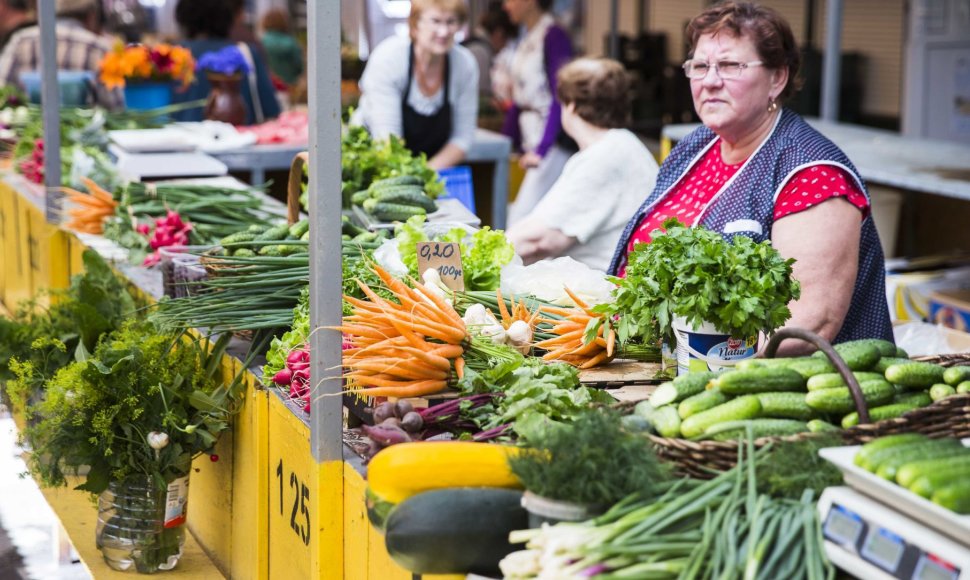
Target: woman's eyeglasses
pixel 726 69
pixel 449 23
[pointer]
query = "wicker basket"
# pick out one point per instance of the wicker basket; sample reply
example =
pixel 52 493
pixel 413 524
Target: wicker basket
pixel 948 417
pixel 211 259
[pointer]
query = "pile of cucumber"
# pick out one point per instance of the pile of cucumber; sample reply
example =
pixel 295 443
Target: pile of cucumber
pixel 267 240
pixel 785 396
pixel 937 469
pixel 355 239
pixel 395 199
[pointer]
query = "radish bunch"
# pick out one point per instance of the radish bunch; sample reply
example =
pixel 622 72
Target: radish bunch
pixel 169 231
pixel 296 375
pixel 33 167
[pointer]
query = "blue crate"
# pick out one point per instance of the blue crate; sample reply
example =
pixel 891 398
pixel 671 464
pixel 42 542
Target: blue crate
pixel 458 185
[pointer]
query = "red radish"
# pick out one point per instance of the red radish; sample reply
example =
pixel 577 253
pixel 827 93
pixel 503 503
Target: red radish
pixel 284 377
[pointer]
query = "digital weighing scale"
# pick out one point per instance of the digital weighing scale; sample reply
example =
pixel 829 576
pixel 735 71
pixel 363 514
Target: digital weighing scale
pixel 875 529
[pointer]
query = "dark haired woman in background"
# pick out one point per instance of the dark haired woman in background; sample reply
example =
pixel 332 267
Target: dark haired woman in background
pixel 206 25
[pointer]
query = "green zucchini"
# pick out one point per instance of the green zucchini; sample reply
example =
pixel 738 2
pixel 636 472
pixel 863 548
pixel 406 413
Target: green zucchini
pixel 681 387
pixel 881 413
pixel 941 391
pixel 956 375
pixel 666 421
pixel 700 402
pixel 758 380
pixel 887 361
pixel 887 442
pixel 889 468
pixel 918 398
pixel 299 228
pixel 859 355
pixel 785 406
pixel 273 234
pixel 733 430
pixel 928 481
pixel 915 374
pixel 746 407
pixel 954 497
pixel 909 473
pixel 839 400
pixel 820 426
pixel 833 380
pixel 462 530
pixel 397 180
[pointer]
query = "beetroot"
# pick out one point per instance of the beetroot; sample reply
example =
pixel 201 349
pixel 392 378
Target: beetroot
pixel 384 434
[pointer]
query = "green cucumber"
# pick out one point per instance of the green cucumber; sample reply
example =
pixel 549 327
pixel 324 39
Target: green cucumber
pixel 759 380
pixel 785 405
pixel 407 197
pixel 273 234
pixel 877 414
pixel 946 472
pixel 392 211
pixel 733 430
pixel 859 355
pixel 888 361
pixel 299 228
pixel 907 453
pixel 681 387
pixel 915 374
pixel 701 402
pixel 918 398
pixel 644 409
pixel 954 497
pixel 635 423
pixel 885 347
pixel 941 391
pixel 820 426
pixel 257 228
pixel 359 197
pixel 244 253
pixel 901 353
pixel 890 467
pixel 909 473
pixel 238 237
pixel 963 388
pixel 397 180
pixel 808 367
pixel 887 442
pixel 956 375
pixel 833 380
pixel 280 250
pixel 839 400
pixel 752 363
pixel 746 407
pixel 666 421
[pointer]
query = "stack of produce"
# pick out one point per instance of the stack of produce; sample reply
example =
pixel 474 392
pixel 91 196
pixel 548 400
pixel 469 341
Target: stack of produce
pixel 91 209
pixel 785 396
pixel 579 339
pixel 936 469
pixel 395 199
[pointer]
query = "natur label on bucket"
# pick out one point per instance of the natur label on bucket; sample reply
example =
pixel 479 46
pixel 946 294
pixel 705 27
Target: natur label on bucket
pixel 178 494
pixel 702 350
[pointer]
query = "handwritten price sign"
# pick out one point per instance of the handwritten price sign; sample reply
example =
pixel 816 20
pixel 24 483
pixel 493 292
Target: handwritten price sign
pixel 446 259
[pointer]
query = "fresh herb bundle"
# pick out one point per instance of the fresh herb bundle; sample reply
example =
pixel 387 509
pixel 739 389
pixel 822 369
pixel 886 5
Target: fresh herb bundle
pixel 591 461
pixel 741 287
pixel 788 468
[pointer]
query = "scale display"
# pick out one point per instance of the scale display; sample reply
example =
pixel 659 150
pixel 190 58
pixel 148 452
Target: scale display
pixel 930 568
pixel 883 548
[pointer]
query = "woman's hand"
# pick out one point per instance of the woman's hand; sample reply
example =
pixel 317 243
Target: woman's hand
pixel 534 241
pixel 529 160
pixel 824 241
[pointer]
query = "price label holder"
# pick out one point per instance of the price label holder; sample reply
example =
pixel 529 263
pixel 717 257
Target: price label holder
pixel 872 540
pixel 445 257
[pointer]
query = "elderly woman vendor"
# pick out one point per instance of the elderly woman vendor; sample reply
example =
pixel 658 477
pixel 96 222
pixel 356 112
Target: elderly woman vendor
pixel 424 88
pixel 757 169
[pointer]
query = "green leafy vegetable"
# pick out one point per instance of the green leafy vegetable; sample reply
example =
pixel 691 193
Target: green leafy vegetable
pixel 741 287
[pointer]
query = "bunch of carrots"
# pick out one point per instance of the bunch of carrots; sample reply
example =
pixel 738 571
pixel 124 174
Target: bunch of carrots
pixel 90 209
pixel 570 327
pixel 516 311
pixel 400 349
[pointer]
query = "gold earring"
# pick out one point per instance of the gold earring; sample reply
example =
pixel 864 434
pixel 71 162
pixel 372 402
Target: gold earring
pixel 772 104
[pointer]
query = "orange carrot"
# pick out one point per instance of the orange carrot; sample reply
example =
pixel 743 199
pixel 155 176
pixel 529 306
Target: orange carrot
pixel 610 341
pixel 506 318
pixel 417 389
pixel 399 367
pixel 460 367
pixel 601 357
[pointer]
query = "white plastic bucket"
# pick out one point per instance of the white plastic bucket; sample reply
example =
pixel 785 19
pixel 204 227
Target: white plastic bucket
pixel 705 348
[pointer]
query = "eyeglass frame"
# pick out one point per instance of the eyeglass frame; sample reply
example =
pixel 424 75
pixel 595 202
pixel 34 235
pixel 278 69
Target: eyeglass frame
pixel 434 23
pixel 716 67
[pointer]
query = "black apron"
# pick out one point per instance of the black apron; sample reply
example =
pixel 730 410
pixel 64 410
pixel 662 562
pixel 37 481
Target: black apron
pixel 426 134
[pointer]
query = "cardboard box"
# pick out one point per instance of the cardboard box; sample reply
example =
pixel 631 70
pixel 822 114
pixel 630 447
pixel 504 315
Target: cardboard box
pixel 951 308
pixel 909 293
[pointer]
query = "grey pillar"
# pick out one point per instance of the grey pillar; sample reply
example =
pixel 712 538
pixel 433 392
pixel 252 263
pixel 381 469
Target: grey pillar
pixel 326 414
pixel 832 63
pixel 614 29
pixel 50 99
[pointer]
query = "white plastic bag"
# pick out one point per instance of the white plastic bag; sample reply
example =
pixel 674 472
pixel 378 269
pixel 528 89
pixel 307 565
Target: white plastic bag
pixel 388 256
pixel 925 339
pixel 547 278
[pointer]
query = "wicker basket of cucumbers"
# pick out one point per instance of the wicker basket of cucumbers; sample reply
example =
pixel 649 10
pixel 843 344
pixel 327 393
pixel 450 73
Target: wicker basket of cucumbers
pixel 860 390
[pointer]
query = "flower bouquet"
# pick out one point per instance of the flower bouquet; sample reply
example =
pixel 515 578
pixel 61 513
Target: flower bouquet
pixel 147 73
pixel 228 61
pixel 224 70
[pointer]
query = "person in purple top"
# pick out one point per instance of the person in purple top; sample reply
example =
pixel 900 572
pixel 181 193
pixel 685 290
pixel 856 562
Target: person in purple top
pixel 533 121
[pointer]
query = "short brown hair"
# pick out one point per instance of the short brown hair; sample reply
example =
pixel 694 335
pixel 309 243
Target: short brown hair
pixel 456 7
pixel 276 20
pixel 600 90
pixel 768 30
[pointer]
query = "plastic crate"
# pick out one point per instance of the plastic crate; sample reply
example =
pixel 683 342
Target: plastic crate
pixel 458 185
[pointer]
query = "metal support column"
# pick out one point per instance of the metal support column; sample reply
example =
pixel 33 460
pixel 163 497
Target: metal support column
pixel 832 63
pixel 614 29
pixel 50 100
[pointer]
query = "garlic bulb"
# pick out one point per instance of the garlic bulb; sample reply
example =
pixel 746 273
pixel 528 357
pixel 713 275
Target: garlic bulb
pixel 520 336
pixel 157 440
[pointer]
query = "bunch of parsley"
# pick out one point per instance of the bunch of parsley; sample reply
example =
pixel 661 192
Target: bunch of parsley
pixel 739 286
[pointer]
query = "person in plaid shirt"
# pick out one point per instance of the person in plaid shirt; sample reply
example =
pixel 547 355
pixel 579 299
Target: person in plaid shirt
pixel 78 48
